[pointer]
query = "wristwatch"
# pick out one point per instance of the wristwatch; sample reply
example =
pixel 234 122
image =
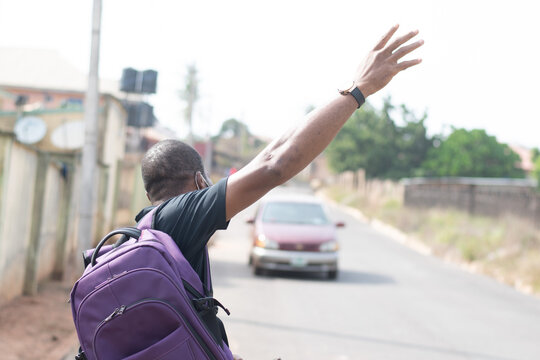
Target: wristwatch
pixel 355 92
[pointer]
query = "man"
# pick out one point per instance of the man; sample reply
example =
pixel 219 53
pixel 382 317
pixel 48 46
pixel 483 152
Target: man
pixel 191 210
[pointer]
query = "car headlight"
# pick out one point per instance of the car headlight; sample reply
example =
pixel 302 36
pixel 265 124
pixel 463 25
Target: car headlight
pixel 329 246
pixel 264 242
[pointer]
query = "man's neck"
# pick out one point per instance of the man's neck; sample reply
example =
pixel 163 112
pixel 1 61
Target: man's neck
pixel 184 191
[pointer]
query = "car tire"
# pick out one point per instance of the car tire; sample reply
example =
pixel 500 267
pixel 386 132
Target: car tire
pixel 258 271
pixel 332 275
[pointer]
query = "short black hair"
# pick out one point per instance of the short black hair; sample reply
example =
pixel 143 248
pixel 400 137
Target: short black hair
pixel 167 167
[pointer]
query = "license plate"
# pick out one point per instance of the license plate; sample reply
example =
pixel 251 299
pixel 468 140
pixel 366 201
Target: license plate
pixel 299 262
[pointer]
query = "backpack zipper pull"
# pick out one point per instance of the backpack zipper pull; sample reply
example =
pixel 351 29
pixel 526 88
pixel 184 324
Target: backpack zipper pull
pixel 209 303
pixel 217 303
pixel 117 311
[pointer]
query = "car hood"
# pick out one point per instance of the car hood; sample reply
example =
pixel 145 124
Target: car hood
pixel 294 233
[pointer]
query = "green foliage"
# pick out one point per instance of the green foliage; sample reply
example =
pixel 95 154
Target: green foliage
pixel 411 144
pixel 535 154
pixel 472 153
pixel 536 171
pixel 371 140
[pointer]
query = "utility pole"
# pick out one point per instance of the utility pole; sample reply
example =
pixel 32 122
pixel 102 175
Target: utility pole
pixel 190 95
pixel 89 155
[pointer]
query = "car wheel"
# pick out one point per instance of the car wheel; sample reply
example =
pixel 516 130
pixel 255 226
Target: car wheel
pixel 258 271
pixel 332 275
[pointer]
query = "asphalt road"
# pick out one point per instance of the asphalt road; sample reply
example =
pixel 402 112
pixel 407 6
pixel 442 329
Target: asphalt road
pixel 389 302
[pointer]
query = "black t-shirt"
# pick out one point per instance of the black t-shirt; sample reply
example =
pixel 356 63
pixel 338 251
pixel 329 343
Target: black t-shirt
pixel 190 219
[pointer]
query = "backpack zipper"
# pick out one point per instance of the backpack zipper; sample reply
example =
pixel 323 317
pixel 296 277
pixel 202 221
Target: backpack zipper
pixel 117 311
pixel 122 309
pixel 186 284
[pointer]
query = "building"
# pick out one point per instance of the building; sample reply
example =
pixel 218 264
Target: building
pixel 39 169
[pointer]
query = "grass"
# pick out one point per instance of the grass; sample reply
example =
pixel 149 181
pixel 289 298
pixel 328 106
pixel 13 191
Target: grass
pixel 507 248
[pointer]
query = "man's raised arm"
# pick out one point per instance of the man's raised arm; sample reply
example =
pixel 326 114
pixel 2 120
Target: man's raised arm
pixel 287 155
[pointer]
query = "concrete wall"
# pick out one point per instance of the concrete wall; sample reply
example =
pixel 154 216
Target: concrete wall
pixel 111 152
pixel 485 196
pixel 19 173
pixel 54 184
pixel 491 197
pixel 370 189
pixel 24 261
pixel 131 195
pixel 39 195
pixel 68 262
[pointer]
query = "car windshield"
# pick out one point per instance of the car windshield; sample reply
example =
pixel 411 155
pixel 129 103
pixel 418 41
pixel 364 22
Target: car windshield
pixel 294 213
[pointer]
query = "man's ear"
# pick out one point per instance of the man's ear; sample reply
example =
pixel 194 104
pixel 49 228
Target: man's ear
pixel 201 181
pixel 148 196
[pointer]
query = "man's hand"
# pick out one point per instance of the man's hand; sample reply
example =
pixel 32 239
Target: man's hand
pixel 381 64
pixel 295 149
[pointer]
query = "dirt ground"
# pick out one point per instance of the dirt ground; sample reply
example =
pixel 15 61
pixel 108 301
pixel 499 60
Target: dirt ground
pixel 41 326
pixel 38 327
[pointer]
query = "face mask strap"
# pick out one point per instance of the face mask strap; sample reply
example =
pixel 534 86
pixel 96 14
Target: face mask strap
pixel 197 183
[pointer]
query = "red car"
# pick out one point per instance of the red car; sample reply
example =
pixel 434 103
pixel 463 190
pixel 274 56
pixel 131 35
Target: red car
pixel 294 233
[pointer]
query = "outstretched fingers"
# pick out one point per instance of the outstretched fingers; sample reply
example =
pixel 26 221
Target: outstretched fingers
pixel 400 41
pixel 401 52
pixel 407 64
pixel 381 64
pixel 382 43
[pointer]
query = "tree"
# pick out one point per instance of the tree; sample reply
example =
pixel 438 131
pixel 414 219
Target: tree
pixel 361 144
pixel 535 154
pixel 536 170
pixel 412 145
pixel 233 128
pixel 371 140
pixel 234 145
pixel 472 153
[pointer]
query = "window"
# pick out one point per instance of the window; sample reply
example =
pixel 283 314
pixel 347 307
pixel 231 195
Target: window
pixel 294 213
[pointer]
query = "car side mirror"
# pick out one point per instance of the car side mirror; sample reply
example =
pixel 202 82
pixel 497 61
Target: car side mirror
pixel 250 221
pixel 340 224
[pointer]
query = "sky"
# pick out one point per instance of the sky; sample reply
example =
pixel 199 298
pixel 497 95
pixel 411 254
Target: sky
pixel 265 63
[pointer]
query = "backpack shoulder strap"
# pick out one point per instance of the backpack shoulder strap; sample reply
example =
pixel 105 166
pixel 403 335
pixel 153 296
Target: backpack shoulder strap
pixel 147 222
pixel 207 281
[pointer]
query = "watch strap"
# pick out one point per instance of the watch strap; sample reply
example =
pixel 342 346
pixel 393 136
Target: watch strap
pixel 358 96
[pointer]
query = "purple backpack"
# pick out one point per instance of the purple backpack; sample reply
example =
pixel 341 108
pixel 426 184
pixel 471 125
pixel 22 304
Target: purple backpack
pixel 141 299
